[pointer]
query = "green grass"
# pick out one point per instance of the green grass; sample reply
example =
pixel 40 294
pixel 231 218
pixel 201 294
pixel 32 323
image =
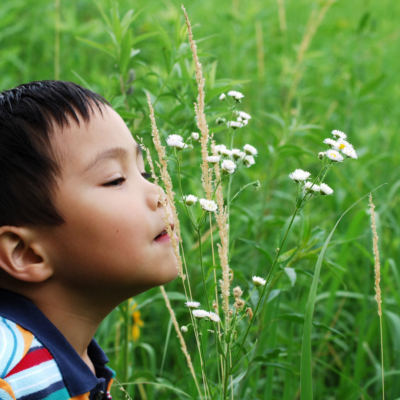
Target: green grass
pixel 350 83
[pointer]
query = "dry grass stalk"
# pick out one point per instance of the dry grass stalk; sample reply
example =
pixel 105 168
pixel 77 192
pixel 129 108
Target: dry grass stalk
pixel 223 248
pixel 206 177
pixel 165 177
pixel 282 16
pixel 181 339
pixel 378 293
pixel 315 20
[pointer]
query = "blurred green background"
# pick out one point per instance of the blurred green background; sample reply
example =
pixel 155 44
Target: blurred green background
pixel 345 77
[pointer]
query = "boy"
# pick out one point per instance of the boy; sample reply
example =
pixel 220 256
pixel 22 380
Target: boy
pixel 81 230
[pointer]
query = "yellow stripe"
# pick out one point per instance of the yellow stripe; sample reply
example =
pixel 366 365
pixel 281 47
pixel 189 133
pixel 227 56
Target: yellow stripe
pixel 7 388
pixel 28 338
pixel 81 397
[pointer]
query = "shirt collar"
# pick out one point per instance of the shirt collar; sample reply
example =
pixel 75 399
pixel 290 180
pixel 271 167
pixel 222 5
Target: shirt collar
pixel 78 377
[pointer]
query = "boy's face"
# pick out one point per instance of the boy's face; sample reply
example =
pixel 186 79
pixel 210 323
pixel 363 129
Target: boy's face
pixel 107 244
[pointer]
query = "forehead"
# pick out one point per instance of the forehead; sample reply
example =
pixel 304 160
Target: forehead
pixel 76 145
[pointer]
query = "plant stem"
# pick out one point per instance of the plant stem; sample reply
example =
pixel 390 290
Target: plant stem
pixel 265 288
pixel 383 375
pixel 202 270
pixel 126 344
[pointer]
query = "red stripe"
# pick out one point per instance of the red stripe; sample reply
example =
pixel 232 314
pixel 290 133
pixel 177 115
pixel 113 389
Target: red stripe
pixel 31 360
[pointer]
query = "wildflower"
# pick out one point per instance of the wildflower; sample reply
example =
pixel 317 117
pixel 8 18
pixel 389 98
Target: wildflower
pixel 245 122
pixel 200 314
pixel 189 201
pixel 248 161
pixel 299 175
pixel 334 155
pixel 234 124
pixel 181 146
pixel 220 121
pixel 195 136
pixel 249 312
pixel 237 291
pixel 244 115
pixel 325 189
pixel 208 205
pixel 258 281
pixel 256 185
pixel 321 155
pixel 350 153
pixel 330 142
pixel 222 97
pixel 218 148
pixel 228 166
pixel 214 317
pixel 235 95
pixel 184 329
pixel 238 154
pixel 341 144
pixel 339 134
pixel 174 140
pixel 239 304
pixel 213 159
pixel 137 324
pixel 226 152
pixel 192 304
pixel 308 185
pixel 250 150
pixel 239 119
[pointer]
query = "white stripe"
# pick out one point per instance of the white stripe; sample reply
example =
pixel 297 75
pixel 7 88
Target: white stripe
pixel 36 384
pixel 50 364
pixel 5 342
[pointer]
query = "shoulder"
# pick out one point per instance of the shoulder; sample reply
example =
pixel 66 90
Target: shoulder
pixel 27 369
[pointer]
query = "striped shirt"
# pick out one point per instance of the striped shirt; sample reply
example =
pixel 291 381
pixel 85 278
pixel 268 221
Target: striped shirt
pixel 37 362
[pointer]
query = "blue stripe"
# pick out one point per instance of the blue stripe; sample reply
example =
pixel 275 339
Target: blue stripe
pixel 42 394
pixel 34 349
pixel 14 349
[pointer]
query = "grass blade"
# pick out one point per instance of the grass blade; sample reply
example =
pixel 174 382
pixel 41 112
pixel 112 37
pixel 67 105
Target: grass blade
pixel 306 388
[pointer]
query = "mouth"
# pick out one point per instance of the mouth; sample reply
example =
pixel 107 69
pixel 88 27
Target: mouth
pixel 164 233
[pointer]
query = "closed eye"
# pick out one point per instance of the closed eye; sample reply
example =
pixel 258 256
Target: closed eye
pixel 116 182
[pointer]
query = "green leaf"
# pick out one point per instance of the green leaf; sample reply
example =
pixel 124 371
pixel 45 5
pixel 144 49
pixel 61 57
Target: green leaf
pixel 127 115
pixel 96 46
pixel 143 36
pixel 285 256
pixel 126 47
pixel 259 248
pixel 159 385
pixel 291 273
pixel 306 386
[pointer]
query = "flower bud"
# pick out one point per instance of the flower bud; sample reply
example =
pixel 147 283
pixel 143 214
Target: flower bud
pixel 220 121
pixel 195 136
pixel 184 329
pixel 321 155
pixel 256 185
pixel 222 97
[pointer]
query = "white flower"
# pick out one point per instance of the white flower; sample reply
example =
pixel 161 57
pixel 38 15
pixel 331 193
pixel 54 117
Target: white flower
pixel 248 161
pixel 184 329
pixel 235 95
pixel 190 200
pixel 330 142
pixel 180 145
pixel 228 166
pixel 341 144
pixel 250 150
pixel 259 281
pixel 325 189
pixel 239 119
pixel 218 148
pixel 213 159
pixel 192 304
pixel 244 115
pixel 334 155
pixel 222 97
pixel 339 134
pixel 321 155
pixel 208 205
pixel 309 185
pixel 200 314
pixel 245 122
pixel 238 154
pixel 350 153
pixel 195 136
pixel 234 124
pixel 299 175
pixel 214 317
pixel 174 140
pixel 226 152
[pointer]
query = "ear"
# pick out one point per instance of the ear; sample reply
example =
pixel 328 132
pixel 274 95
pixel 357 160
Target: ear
pixel 22 255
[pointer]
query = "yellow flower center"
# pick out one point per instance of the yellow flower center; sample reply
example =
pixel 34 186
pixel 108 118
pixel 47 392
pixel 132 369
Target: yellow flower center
pixel 342 146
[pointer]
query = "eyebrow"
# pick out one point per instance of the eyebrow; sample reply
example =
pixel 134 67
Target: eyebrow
pixel 111 154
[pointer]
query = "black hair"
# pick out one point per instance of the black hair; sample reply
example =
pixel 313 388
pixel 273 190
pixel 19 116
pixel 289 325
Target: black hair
pixel 28 169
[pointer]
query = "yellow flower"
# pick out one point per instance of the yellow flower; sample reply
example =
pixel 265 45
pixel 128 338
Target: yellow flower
pixel 137 324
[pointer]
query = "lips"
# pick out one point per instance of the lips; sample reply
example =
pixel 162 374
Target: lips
pixel 164 232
